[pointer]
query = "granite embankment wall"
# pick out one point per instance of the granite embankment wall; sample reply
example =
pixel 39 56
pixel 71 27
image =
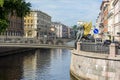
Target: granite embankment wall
pixel 11 50
pixel 94 66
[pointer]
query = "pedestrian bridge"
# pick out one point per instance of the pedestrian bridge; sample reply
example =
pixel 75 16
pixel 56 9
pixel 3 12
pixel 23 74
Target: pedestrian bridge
pixel 35 43
pixel 28 45
pixel 35 40
pixel 10 46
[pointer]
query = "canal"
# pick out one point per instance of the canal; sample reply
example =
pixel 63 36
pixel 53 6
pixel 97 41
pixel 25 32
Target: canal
pixel 40 64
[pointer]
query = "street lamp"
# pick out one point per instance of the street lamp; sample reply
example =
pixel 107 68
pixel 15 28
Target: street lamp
pixel 53 29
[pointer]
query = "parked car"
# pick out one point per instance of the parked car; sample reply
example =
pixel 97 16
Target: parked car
pixel 107 42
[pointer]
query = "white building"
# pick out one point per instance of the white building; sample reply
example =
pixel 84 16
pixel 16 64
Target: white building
pixel 61 30
pixel 110 19
pixel 79 23
pixel 116 27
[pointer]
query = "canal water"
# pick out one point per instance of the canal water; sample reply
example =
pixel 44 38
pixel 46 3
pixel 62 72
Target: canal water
pixel 40 64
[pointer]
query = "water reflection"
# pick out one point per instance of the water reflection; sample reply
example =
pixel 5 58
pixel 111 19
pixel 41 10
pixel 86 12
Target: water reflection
pixel 11 67
pixel 29 67
pixel 40 64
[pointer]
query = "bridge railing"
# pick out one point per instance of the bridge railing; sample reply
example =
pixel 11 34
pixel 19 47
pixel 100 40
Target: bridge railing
pixel 33 40
pixel 16 40
pixel 12 40
pixel 94 47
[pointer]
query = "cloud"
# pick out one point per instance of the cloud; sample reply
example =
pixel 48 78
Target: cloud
pixel 68 11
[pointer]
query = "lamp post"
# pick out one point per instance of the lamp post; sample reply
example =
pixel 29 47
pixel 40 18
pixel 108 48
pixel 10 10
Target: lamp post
pixel 53 29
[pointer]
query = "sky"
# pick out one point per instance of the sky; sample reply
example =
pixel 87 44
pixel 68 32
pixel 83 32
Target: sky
pixel 69 12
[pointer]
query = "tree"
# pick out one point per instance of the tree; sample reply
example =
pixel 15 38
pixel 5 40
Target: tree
pixel 74 27
pixel 3 25
pixel 9 7
pixel 1 3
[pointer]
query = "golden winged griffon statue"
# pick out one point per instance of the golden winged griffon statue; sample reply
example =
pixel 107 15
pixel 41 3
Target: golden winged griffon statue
pixel 83 31
pixel 87 28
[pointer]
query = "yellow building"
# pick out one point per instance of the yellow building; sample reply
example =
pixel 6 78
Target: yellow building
pixel 36 24
pixel 30 25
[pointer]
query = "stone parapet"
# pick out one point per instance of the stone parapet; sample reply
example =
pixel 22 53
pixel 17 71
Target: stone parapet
pixel 4 51
pixel 92 66
pixel 112 52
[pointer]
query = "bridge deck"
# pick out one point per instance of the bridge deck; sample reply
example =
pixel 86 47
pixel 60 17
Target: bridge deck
pixel 26 45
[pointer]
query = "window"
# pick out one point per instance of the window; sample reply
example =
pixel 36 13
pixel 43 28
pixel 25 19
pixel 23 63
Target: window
pixel 31 21
pixel 28 21
pixel 37 21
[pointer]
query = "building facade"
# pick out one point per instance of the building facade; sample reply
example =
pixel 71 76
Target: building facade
pixel 110 20
pixel 104 19
pixel 98 25
pixel 79 23
pixel 37 24
pixel 71 33
pixel 61 30
pixel 15 28
pixel 116 20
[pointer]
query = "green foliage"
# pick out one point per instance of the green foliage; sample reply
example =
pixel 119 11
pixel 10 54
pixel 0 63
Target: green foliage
pixel 1 3
pixel 74 27
pixel 10 7
pixel 3 25
pixel 18 6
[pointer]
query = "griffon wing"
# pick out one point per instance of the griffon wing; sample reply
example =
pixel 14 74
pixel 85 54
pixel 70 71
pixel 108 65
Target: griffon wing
pixel 87 28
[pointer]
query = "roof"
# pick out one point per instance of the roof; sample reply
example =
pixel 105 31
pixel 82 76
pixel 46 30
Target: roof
pixel 115 1
pixel 41 12
pixel 103 2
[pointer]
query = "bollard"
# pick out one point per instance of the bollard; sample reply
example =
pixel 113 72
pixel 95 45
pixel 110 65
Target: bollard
pixel 112 50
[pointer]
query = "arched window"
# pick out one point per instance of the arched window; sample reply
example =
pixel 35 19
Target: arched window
pixel 29 33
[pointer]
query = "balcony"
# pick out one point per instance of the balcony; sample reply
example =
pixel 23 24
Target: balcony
pixel 110 13
pixel 101 25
